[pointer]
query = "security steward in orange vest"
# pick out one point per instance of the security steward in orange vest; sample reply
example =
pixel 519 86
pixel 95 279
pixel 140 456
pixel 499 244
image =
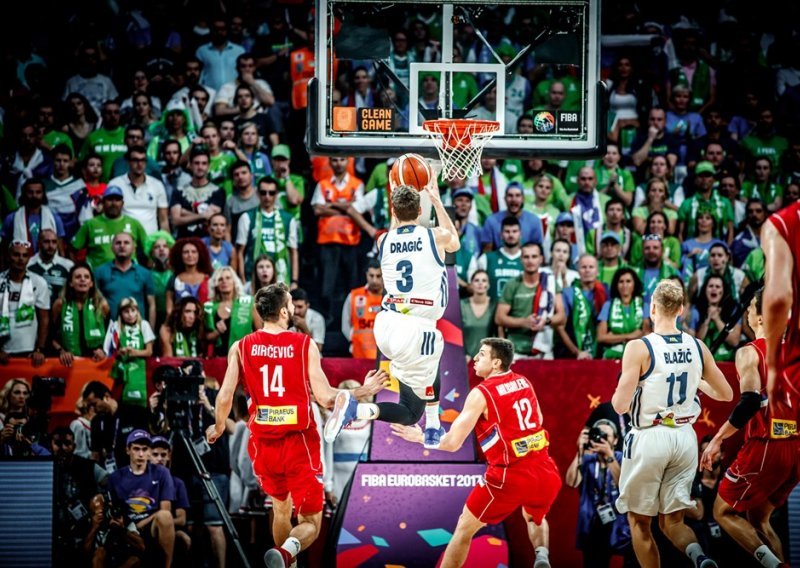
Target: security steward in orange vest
pixel 359 311
pixel 337 236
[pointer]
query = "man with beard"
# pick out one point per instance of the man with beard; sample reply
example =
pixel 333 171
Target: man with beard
pixel 33 216
pixel 50 265
pixel 764 142
pixel 503 264
pixel 749 238
pixel 655 269
pixel 530 224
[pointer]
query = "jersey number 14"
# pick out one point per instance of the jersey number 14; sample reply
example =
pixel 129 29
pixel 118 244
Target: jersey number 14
pixel 272 386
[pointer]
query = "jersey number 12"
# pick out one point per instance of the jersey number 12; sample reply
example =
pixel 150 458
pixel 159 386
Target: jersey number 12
pixel 274 386
pixel 524 410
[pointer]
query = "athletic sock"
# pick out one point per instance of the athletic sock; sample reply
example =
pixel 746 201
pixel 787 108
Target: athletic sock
pixel 693 551
pixel 542 553
pixel 766 557
pixel 432 416
pixel 366 411
pixel 292 546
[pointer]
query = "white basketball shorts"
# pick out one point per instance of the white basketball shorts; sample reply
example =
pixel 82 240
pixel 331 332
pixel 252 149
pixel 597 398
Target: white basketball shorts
pixel 658 466
pixel 414 347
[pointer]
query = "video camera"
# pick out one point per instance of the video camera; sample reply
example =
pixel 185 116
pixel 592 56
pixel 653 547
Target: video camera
pixel 184 386
pixel 43 391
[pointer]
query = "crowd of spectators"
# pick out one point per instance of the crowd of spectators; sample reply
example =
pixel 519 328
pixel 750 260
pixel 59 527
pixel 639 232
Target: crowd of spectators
pixel 154 176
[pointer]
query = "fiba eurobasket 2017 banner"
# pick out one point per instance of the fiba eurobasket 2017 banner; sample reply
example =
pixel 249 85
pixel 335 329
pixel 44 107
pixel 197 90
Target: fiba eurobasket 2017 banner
pixel 405 514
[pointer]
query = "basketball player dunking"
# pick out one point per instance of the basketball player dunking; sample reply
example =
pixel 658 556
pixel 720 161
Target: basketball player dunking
pixel 766 469
pixel 780 240
pixel 661 374
pixel 415 279
pixel 281 370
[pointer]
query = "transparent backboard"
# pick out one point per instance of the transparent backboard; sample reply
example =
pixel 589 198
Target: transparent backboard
pixel 382 69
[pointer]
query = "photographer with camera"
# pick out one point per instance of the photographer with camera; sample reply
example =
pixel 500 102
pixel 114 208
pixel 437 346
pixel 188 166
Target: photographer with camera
pixel 110 426
pixel 602 530
pixel 77 481
pixel 17 438
pixel 113 539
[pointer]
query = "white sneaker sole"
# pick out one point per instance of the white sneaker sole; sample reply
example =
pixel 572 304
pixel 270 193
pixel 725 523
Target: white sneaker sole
pixel 334 424
pixel 273 559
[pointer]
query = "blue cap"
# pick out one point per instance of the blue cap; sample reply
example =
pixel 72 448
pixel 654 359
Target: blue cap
pixel 610 235
pixel 565 218
pixel 139 437
pixel 111 191
pixel 160 442
pixel 463 191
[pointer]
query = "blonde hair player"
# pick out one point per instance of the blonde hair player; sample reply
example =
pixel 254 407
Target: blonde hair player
pixel 661 374
pixel 415 280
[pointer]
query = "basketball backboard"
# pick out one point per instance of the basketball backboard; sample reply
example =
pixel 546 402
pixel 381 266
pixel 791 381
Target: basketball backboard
pixel 384 67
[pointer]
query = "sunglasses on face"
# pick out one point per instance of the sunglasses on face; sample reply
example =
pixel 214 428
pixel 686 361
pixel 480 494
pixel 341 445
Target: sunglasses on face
pixel 267 192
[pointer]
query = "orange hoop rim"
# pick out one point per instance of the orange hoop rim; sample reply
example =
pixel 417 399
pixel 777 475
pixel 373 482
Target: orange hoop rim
pixel 461 125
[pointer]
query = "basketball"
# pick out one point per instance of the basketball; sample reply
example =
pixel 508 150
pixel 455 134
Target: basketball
pixel 411 169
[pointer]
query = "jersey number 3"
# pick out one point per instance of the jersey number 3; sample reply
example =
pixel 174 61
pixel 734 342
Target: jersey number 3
pixel 407 283
pixel 524 410
pixel 273 386
pixel 681 379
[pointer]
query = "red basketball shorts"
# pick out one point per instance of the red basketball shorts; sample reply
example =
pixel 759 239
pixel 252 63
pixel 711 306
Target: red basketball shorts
pixel 764 470
pixel 532 484
pixel 290 465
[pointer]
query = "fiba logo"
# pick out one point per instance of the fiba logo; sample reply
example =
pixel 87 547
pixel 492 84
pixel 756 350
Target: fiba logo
pixel 544 122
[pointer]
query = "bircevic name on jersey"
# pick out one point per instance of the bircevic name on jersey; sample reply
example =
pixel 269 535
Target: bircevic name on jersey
pixel 414 276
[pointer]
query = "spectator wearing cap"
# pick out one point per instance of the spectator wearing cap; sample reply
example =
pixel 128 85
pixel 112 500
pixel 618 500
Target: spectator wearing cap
pixel 144 197
pixel 654 268
pixel 565 229
pixel 24 308
pixel 96 235
pixel 193 204
pixel 291 186
pixel 146 491
pixel 614 223
pixel 530 224
pixel 63 190
pixel 706 198
pixel 469 235
pixel 161 454
pixel 33 216
pixel 176 124
pixel 587 207
pixel 610 257
pixel 123 278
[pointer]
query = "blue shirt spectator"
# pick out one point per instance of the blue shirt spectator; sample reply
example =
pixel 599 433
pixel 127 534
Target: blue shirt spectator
pixel 115 284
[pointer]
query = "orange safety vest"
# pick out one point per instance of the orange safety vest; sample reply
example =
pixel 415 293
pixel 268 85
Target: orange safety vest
pixel 321 168
pixel 364 306
pixel 338 229
pixel 302 65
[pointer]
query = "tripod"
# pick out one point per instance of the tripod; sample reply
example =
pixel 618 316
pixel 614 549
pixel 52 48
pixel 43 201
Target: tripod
pixel 205 477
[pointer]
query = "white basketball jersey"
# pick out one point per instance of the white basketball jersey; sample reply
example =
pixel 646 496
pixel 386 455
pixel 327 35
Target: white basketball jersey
pixel 667 392
pixel 414 276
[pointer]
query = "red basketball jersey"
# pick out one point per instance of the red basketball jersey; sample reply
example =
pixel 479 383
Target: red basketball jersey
pixel 758 425
pixel 513 429
pixel 276 378
pixel 787 221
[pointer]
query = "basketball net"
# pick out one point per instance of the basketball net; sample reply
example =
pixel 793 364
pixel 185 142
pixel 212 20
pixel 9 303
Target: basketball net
pixel 460 143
